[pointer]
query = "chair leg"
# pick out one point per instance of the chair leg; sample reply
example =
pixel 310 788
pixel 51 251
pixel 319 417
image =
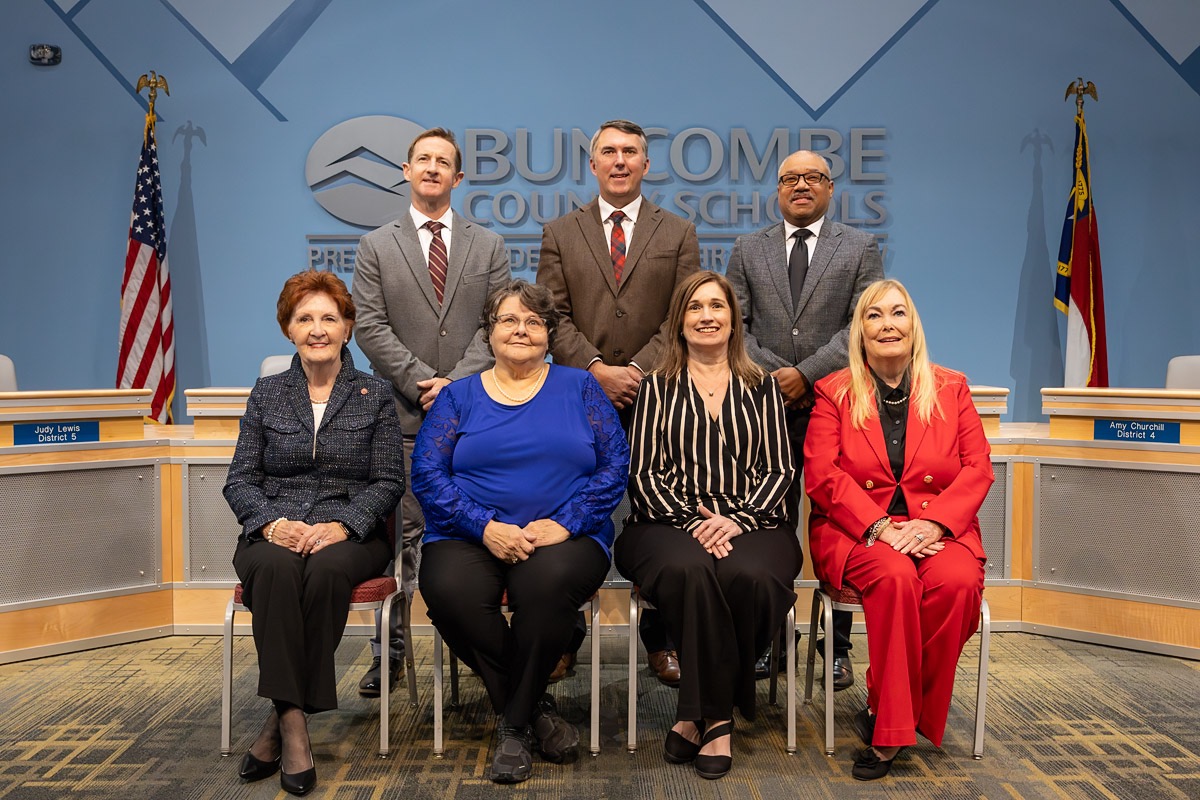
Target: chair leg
pixel 437 694
pixel 454 702
pixel 985 641
pixel 595 695
pixel 409 660
pixel 385 690
pixel 227 679
pixel 635 613
pixel 773 672
pixel 828 603
pixel 812 648
pixel 790 648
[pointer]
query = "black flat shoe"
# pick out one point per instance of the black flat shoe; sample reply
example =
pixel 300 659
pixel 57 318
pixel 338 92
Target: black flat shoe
pixel 678 749
pixel 254 770
pixel 868 766
pixel 714 767
pixel 864 726
pixel 298 783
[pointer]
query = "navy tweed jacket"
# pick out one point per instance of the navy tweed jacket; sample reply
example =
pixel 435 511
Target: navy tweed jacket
pixel 357 476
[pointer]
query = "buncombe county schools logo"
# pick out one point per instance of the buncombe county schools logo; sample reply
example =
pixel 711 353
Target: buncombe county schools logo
pixel 354 169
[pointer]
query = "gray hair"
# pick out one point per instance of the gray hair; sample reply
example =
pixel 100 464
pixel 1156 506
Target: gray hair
pixel 624 126
pixel 537 298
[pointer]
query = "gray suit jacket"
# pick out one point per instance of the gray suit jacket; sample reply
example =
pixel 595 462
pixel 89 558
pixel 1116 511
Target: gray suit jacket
pixel 813 336
pixel 401 327
pixel 617 324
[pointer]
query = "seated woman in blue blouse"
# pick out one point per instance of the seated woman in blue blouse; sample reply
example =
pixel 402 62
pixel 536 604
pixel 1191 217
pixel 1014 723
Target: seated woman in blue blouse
pixel 518 470
pixel 707 540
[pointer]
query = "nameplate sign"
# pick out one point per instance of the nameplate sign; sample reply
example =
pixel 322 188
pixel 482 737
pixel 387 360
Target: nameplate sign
pixel 57 432
pixel 1136 430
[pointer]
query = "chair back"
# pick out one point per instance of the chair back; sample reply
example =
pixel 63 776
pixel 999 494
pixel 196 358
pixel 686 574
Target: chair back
pixel 273 365
pixel 1183 372
pixel 8 375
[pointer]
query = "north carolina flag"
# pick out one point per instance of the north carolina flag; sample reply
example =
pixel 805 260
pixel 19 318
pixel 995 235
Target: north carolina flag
pixel 1079 290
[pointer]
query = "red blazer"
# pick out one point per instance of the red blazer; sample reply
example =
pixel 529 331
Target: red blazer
pixel 947 471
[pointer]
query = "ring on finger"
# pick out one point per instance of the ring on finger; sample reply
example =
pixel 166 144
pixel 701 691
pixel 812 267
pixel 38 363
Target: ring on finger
pixel 920 537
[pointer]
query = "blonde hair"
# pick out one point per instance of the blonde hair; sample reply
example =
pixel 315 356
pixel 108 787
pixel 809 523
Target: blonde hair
pixel 674 359
pixel 923 385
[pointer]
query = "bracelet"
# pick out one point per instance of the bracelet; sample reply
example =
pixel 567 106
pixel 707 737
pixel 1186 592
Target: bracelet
pixel 342 525
pixel 877 528
pixel 269 534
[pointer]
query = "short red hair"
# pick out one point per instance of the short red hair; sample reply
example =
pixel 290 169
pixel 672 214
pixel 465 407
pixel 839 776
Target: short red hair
pixel 312 281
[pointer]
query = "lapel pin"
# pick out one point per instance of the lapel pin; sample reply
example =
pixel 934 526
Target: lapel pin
pixel 363 390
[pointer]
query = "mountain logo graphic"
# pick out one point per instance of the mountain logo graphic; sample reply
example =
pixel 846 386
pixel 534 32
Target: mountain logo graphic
pixel 354 169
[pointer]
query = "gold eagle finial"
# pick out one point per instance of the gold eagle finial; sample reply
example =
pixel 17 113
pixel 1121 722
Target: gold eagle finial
pixel 1079 89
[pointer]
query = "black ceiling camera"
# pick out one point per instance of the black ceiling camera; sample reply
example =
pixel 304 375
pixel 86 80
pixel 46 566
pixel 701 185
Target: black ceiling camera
pixel 44 55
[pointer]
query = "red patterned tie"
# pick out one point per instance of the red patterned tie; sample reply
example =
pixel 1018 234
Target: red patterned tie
pixel 617 246
pixel 438 260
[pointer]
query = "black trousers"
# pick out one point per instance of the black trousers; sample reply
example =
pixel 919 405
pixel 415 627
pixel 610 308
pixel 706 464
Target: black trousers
pixel 797 426
pixel 300 605
pixel 462 583
pixel 721 612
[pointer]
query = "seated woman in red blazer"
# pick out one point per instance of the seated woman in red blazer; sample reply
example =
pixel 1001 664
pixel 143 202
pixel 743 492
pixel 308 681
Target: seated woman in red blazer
pixel 896 465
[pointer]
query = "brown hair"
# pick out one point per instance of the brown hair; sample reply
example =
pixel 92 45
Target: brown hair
pixel 312 281
pixel 438 133
pixel 534 296
pixel 674 359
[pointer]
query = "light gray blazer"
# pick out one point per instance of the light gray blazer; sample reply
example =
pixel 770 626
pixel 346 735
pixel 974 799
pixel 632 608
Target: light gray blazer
pixel 813 336
pixel 401 328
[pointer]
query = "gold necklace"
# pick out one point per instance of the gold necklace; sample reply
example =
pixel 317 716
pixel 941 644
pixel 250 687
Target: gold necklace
pixel 701 386
pixel 536 385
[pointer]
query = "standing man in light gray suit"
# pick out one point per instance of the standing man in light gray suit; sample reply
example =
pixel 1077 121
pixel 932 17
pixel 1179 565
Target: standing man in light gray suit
pixel 613 266
pixel 797 282
pixel 420 284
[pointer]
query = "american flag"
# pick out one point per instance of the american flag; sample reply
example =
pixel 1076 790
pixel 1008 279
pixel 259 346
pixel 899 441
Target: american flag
pixel 147 357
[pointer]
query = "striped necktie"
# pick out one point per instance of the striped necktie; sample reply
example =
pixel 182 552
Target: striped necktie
pixel 438 259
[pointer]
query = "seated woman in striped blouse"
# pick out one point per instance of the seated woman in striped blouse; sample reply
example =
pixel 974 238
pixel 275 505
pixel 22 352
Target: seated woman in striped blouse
pixel 706 541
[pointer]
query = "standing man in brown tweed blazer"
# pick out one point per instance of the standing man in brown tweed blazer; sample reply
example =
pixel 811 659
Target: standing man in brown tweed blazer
pixel 613 266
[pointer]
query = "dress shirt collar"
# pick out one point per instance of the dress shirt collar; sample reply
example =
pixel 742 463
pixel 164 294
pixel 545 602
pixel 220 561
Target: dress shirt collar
pixel 885 392
pixel 420 219
pixel 631 210
pixel 789 230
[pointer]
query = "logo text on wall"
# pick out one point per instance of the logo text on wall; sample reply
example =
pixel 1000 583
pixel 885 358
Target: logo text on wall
pixel 515 182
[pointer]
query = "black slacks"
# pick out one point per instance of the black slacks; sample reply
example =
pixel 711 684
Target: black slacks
pixel 721 612
pixel 299 606
pixel 462 583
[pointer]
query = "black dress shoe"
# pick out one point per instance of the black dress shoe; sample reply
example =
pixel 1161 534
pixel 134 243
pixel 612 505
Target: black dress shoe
pixel 298 783
pixel 843 673
pixel 254 770
pixel 864 726
pixel 678 749
pixel 762 667
pixel 714 767
pixel 868 766
pixel 372 681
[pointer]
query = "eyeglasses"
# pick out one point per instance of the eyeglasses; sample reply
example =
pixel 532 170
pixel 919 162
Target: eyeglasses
pixel 811 178
pixel 510 323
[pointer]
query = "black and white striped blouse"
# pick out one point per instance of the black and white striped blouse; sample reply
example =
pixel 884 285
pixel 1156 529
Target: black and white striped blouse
pixel 739 466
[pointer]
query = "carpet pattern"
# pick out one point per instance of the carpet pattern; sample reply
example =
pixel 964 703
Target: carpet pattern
pixel 1064 720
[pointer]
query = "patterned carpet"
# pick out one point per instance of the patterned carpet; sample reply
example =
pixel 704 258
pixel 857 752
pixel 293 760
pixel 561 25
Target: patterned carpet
pixel 1065 720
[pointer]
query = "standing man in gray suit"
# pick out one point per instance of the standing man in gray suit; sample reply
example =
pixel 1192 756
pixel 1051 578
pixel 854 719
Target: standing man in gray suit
pixel 797 282
pixel 613 266
pixel 420 284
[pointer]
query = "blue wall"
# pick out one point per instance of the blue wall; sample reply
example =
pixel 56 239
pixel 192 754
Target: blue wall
pixel 976 160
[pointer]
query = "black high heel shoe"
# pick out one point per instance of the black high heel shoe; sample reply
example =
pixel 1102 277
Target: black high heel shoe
pixel 678 749
pixel 713 767
pixel 868 766
pixel 254 770
pixel 299 783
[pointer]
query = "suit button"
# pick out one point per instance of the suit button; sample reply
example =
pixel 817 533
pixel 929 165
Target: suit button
pixel 795 331
pixel 870 484
pixel 443 333
pixel 925 504
pixel 618 353
pixel 928 479
pixel 620 313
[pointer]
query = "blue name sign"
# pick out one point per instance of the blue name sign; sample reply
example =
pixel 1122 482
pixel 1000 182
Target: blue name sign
pixel 57 432
pixel 1136 430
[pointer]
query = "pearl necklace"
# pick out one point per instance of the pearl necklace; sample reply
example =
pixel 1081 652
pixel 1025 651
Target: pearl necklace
pixel 897 401
pixel 536 385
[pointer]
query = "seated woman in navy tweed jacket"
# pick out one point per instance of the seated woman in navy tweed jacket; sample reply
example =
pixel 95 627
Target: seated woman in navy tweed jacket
pixel 317 470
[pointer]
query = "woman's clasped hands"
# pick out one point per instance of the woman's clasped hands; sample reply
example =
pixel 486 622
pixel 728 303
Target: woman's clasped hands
pixel 715 533
pixel 305 539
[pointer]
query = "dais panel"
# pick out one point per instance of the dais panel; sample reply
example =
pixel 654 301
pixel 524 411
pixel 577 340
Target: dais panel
pixel 993 524
pixel 212 529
